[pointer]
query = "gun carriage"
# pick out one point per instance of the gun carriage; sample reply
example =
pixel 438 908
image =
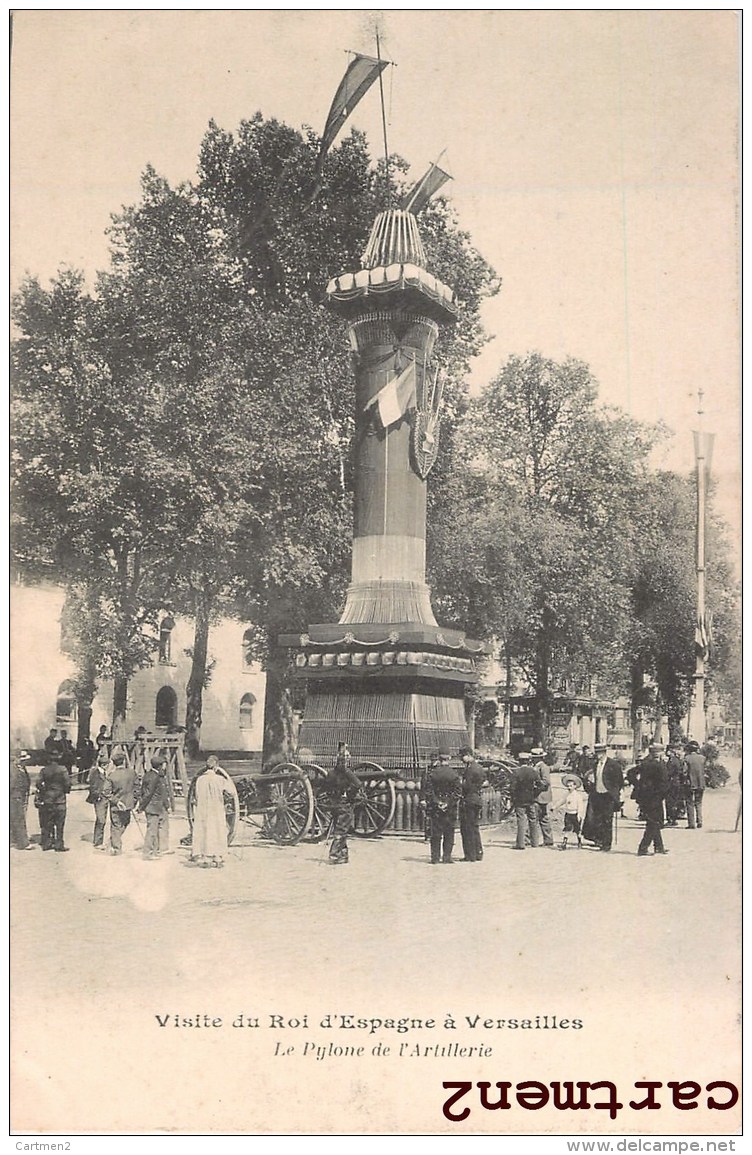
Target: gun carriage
pixel 290 802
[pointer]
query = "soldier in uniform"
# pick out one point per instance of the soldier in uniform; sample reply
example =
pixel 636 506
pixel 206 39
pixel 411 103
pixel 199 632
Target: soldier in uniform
pixel 651 791
pixel 342 788
pixel 473 777
pixel 441 792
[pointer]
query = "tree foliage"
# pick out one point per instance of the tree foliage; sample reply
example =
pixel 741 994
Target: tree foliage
pixel 578 557
pixel 196 454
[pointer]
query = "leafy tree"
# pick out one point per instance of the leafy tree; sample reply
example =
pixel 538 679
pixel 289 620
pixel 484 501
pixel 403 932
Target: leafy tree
pixel 212 394
pixel 661 640
pixel 93 494
pixel 557 479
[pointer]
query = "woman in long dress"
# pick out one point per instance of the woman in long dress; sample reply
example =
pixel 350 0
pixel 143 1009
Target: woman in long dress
pixel 209 835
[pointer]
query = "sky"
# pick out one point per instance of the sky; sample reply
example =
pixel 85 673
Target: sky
pixel 595 157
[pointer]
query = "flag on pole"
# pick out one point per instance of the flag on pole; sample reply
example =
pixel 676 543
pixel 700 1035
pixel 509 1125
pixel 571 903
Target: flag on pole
pixel 360 75
pixel 421 193
pixel 702 638
pixel 396 397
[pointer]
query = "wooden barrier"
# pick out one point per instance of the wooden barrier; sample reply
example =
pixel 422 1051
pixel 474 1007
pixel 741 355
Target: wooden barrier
pixel 140 751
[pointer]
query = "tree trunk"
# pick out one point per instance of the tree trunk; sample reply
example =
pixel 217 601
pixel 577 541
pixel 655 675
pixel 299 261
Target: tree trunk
pixel 636 711
pixel 194 692
pixel 86 688
pixel 658 733
pixel 278 715
pixel 542 690
pixel 119 706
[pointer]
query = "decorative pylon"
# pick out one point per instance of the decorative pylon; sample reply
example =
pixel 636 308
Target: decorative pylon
pixel 385 678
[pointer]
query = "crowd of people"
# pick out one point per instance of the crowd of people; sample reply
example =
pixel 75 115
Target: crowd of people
pixel 120 787
pixel 665 784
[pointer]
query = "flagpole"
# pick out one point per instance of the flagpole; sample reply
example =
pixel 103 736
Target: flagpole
pixel 696 726
pixel 388 197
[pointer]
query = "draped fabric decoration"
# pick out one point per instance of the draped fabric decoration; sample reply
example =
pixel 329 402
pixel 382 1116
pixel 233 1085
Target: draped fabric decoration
pixel 397 396
pixel 394 240
pixel 360 75
pixel 421 193
pixel 400 731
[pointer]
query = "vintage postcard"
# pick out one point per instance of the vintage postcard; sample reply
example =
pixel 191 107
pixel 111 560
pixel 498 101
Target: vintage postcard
pixel 376 515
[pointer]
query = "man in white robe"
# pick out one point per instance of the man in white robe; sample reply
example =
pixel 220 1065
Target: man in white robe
pixel 209 835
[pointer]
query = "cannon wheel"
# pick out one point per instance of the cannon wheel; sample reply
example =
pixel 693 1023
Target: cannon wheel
pixel 290 809
pixel 375 811
pixel 322 815
pixel 231 809
pixel 502 783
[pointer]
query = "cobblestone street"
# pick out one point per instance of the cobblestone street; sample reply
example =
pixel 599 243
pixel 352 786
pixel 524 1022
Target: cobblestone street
pixel 644 952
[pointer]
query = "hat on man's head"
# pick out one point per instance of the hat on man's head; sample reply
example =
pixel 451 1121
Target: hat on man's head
pixel 656 747
pixel 523 756
pixel 23 756
pixel 601 746
pixel 537 752
pixel 158 760
pixel 466 752
pixel 693 745
pixel 118 757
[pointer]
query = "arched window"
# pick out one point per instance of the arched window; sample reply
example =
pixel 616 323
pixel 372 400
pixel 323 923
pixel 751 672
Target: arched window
pixel 249 638
pixel 66 708
pixel 166 627
pixel 167 707
pixel 247 702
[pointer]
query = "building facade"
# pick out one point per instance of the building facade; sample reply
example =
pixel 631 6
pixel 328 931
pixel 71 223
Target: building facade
pixel 42 693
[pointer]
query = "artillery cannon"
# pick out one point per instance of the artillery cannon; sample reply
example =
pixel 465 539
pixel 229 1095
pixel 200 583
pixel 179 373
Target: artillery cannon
pixel 289 803
pixel 499 773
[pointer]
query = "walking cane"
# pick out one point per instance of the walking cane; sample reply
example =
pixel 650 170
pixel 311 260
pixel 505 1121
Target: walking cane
pixel 138 824
pixel 616 827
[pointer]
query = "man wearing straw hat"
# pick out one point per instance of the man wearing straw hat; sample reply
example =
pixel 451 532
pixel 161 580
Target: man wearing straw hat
pixel 545 798
pixel 604 785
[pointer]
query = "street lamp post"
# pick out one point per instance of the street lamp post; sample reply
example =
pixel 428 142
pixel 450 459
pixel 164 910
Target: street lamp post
pixel 703 452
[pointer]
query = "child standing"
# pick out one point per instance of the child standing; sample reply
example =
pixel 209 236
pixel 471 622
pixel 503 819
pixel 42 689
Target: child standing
pixel 570 804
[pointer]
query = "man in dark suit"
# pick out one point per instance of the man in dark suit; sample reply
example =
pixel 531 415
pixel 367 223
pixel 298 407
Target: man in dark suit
pixel 473 777
pixel 695 784
pixel 53 785
pixel 603 785
pixel 52 742
pixel 651 791
pixel 119 790
pixel 545 798
pixel 527 784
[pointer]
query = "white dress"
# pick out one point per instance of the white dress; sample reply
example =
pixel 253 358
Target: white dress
pixel 209 822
